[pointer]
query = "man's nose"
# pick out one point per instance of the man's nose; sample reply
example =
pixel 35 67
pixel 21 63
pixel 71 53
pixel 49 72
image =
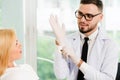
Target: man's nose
pixel 83 19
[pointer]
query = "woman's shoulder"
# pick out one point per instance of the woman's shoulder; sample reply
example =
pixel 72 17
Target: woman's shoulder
pixel 24 66
pixel 22 71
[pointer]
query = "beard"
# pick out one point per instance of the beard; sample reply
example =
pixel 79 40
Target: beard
pixel 83 31
pixel 89 29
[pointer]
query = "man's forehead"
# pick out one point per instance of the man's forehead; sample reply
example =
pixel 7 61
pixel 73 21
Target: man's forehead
pixel 88 8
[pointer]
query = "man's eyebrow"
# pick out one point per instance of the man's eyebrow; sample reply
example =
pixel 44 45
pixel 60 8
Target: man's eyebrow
pixel 84 13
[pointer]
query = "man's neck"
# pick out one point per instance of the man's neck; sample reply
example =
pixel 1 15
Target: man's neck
pixel 89 33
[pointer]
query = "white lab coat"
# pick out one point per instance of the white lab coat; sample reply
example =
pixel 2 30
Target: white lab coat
pixel 102 61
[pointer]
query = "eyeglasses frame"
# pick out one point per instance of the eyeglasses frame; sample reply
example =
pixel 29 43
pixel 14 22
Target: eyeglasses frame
pixel 85 15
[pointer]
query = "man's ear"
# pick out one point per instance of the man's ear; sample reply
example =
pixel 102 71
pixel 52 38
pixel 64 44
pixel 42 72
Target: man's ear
pixel 101 16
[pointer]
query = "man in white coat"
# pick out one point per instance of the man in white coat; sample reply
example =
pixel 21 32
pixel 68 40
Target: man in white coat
pixel 102 54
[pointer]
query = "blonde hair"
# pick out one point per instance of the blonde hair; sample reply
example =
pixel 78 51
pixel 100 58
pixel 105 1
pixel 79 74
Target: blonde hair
pixel 6 40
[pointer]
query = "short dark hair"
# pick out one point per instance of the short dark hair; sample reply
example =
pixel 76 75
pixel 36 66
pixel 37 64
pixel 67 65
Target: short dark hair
pixel 98 3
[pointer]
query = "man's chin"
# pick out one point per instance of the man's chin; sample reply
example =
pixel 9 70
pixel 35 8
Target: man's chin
pixel 83 31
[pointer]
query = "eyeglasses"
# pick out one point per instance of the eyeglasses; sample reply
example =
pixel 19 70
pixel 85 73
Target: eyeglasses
pixel 87 16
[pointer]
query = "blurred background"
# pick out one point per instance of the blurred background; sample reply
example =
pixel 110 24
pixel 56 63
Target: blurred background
pixel 30 19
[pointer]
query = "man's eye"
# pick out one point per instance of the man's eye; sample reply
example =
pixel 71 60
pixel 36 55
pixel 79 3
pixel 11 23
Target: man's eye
pixel 89 15
pixel 80 13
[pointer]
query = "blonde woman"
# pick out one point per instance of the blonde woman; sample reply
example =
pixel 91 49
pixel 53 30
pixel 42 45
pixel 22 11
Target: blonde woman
pixel 10 50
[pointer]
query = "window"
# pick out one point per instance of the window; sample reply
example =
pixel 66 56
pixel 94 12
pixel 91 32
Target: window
pixel 111 22
pixel 45 38
pixel 11 16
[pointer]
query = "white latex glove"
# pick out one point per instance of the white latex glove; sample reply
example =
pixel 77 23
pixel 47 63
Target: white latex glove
pixel 59 31
pixel 67 51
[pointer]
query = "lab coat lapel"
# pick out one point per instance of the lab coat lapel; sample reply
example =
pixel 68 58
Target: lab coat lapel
pixel 97 50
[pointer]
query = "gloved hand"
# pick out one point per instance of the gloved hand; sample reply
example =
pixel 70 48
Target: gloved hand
pixel 68 52
pixel 57 29
pixel 66 49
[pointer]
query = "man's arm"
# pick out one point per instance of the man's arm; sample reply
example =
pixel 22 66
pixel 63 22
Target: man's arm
pixel 60 67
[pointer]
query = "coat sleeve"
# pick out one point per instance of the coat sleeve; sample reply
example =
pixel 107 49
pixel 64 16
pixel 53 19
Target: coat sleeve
pixel 61 68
